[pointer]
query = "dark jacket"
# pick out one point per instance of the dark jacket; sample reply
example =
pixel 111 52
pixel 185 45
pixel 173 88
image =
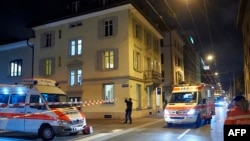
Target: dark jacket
pixel 129 104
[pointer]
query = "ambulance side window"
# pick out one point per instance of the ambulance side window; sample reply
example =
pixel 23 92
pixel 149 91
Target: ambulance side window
pixel 36 102
pixel 16 100
pixel 4 98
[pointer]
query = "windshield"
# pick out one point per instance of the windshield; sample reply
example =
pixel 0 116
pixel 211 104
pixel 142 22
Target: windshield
pixel 185 97
pixel 52 100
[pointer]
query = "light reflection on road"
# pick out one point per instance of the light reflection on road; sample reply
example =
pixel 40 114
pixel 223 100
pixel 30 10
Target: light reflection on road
pixel 217 124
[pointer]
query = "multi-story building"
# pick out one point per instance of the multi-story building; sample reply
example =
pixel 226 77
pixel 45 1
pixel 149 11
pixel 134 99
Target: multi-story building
pixel 107 54
pixel 16 62
pixel 192 62
pixel 172 61
pixel 243 24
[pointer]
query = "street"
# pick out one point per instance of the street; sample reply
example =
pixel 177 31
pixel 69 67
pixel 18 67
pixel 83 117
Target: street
pixel 148 129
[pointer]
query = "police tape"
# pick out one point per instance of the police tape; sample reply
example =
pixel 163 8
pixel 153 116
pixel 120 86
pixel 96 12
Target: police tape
pixel 77 104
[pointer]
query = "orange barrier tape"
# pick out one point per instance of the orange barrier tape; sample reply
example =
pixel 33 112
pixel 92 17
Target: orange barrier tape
pixel 78 104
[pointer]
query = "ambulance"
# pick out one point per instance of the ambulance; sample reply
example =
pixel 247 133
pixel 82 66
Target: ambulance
pixel 39 106
pixel 190 104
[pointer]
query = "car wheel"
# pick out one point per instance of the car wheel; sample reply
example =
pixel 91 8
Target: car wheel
pixel 46 133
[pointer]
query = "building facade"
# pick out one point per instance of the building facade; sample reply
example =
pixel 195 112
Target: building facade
pixel 16 62
pixel 172 61
pixel 106 55
pixel 243 24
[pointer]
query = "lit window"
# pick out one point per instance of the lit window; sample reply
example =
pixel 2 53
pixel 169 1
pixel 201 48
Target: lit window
pixel 47 66
pixel 75 77
pixel 75 47
pixel 16 67
pixel 108 93
pixel 109 59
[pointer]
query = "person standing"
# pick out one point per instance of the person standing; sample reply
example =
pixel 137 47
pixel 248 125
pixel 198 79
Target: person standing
pixel 128 110
pixel 239 113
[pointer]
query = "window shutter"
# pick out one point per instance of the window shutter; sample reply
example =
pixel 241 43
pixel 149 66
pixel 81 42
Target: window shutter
pixel 99 60
pixel 115 26
pixel 42 40
pixel 41 67
pixel 52 38
pixel 100 29
pixel 134 28
pixel 140 62
pixel 116 58
pixel 134 59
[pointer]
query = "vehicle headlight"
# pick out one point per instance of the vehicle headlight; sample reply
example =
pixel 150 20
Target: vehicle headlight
pixel 191 112
pixel 166 111
pixel 64 122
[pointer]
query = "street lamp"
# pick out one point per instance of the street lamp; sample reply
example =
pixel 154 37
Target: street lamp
pixel 210 57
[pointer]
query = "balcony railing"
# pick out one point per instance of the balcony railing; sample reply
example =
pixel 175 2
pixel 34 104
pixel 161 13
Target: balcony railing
pixel 152 76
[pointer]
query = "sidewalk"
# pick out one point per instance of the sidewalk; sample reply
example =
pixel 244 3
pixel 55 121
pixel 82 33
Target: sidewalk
pixel 110 124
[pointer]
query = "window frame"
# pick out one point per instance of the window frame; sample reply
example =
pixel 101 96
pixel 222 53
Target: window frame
pixel 101 59
pixel 47 68
pixel 75 79
pixel 108 95
pixel 108 30
pixel 16 67
pixel 78 47
pixel 48 39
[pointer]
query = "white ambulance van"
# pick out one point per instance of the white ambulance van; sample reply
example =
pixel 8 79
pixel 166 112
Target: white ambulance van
pixel 190 104
pixel 39 106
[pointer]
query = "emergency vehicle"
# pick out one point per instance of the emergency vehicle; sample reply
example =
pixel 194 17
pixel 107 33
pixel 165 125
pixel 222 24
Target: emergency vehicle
pixel 190 104
pixel 39 106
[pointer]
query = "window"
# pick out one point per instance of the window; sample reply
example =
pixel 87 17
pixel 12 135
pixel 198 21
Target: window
pixel 4 98
pixel 108 27
pixel 17 99
pixel 107 59
pixel 108 93
pixel 75 77
pixel 16 68
pixel 36 102
pixel 148 38
pixel 47 39
pixel 156 46
pixel 137 61
pixel 75 24
pixel 47 66
pixel 75 47
pixel 75 6
pixel 137 30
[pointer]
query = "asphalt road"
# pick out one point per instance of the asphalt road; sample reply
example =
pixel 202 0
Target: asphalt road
pixel 151 128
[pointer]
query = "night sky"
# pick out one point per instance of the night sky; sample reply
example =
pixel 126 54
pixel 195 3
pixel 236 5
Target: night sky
pixel 212 24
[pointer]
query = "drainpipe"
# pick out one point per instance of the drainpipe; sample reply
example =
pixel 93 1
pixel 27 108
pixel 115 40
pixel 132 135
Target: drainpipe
pixel 31 45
